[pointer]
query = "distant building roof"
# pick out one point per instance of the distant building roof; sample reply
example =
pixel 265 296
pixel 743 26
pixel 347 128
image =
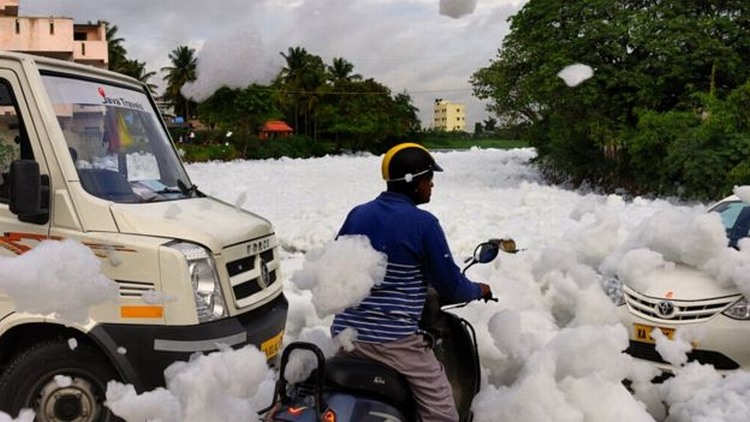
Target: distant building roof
pixel 276 126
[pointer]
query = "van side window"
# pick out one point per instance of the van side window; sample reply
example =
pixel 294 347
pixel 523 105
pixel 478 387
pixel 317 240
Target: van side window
pixel 14 143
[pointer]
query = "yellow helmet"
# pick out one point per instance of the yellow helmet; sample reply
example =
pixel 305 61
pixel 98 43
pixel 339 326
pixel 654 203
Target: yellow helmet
pixel 406 161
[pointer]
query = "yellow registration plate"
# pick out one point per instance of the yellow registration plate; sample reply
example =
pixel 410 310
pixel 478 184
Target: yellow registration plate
pixel 272 346
pixel 642 333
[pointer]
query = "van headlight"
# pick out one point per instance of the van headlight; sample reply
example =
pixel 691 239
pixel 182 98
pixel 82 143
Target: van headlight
pixel 209 302
pixel 739 310
pixel 612 287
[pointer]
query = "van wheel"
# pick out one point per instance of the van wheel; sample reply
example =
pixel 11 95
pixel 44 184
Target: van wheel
pixel 29 381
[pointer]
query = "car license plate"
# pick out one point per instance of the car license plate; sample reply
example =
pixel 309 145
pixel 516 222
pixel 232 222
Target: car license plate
pixel 642 333
pixel 272 346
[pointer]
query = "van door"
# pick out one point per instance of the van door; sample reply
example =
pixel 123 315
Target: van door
pixel 16 236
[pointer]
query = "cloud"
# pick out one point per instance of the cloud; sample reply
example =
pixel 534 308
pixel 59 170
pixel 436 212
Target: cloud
pixel 250 62
pixel 405 44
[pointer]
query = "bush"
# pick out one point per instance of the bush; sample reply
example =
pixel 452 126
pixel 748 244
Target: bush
pixel 207 152
pixel 293 147
pixel 648 149
pixel 698 154
pixel 739 175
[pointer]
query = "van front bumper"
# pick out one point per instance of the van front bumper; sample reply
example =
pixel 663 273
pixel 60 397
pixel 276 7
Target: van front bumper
pixel 141 353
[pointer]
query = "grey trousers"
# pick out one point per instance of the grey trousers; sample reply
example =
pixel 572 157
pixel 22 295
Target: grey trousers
pixel 413 358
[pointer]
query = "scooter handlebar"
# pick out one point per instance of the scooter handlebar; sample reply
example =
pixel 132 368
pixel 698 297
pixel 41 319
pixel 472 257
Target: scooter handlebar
pixel 462 304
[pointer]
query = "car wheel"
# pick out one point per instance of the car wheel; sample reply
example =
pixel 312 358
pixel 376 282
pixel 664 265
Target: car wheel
pixel 58 383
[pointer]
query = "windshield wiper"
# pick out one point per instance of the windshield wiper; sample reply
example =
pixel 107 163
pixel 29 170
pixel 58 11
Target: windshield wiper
pixel 187 191
pixel 168 190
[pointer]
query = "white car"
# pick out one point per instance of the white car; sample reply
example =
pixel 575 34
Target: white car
pixel 682 297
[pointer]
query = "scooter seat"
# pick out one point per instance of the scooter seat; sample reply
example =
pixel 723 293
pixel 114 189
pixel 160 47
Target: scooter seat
pixel 364 376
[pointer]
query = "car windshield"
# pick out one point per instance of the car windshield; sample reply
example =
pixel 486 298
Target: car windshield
pixel 120 150
pixel 735 215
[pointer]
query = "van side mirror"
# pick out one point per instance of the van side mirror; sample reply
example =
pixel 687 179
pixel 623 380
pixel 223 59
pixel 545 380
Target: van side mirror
pixel 27 192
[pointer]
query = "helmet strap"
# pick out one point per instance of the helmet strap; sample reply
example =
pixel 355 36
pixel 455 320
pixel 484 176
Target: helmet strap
pixel 408 177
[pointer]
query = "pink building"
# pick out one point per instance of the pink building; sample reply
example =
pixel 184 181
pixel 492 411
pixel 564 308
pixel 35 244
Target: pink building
pixel 57 37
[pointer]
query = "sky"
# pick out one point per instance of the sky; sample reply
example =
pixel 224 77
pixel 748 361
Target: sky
pixel 550 348
pixel 428 48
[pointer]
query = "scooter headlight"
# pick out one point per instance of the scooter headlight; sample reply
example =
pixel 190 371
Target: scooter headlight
pixel 612 287
pixel 739 310
pixel 209 301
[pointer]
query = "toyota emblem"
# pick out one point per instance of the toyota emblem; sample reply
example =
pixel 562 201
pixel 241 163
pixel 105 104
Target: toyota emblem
pixel 665 309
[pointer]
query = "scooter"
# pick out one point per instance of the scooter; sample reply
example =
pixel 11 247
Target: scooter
pixel 344 389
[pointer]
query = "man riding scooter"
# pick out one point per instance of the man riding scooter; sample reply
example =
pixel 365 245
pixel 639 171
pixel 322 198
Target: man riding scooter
pixel 387 321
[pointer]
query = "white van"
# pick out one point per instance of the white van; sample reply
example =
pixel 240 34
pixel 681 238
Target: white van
pixel 85 155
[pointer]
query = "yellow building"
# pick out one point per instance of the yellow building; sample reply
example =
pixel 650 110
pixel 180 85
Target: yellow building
pixel 449 116
pixel 55 37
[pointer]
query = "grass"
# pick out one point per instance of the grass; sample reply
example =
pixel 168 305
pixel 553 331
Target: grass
pixel 468 143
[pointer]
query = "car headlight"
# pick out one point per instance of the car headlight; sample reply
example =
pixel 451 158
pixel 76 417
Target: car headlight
pixel 739 310
pixel 209 302
pixel 612 287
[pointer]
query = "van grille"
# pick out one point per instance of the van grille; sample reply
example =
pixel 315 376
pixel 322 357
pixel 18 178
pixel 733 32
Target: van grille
pixel 249 271
pixel 656 308
pixel 134 288
pixel 253 286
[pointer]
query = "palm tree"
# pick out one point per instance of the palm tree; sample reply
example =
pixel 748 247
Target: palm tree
pixel 182 71
pixel 302 82
pixel 316 83
pixel 341 70
pixel 290 79
pixel 296 61
pixel 137 69
pixel 117 53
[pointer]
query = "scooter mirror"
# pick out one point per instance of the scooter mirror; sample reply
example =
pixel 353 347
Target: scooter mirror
pixel 486 252
pixel 508 245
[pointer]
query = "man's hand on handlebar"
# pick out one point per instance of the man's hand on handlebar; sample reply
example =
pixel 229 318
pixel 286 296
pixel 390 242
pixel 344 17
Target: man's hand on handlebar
pixel 486 292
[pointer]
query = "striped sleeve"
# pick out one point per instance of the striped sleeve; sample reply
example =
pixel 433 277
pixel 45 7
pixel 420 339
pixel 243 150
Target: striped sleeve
pixel 392 310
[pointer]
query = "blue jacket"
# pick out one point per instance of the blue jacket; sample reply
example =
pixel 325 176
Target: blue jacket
pixel 418 254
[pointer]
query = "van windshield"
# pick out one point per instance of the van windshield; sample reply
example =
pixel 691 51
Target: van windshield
pixel 116 141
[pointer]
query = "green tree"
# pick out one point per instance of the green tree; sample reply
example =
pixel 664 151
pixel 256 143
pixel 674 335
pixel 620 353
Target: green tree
pixel 137 70
pixel 364 115
pixel 404 117
pixel 182 71
pixel 301 83
pixel 290 83
pixel 490 124
pixel 647 55
pixel 115 49
pixel 240 111
pixel 326 102
pixel 342 70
